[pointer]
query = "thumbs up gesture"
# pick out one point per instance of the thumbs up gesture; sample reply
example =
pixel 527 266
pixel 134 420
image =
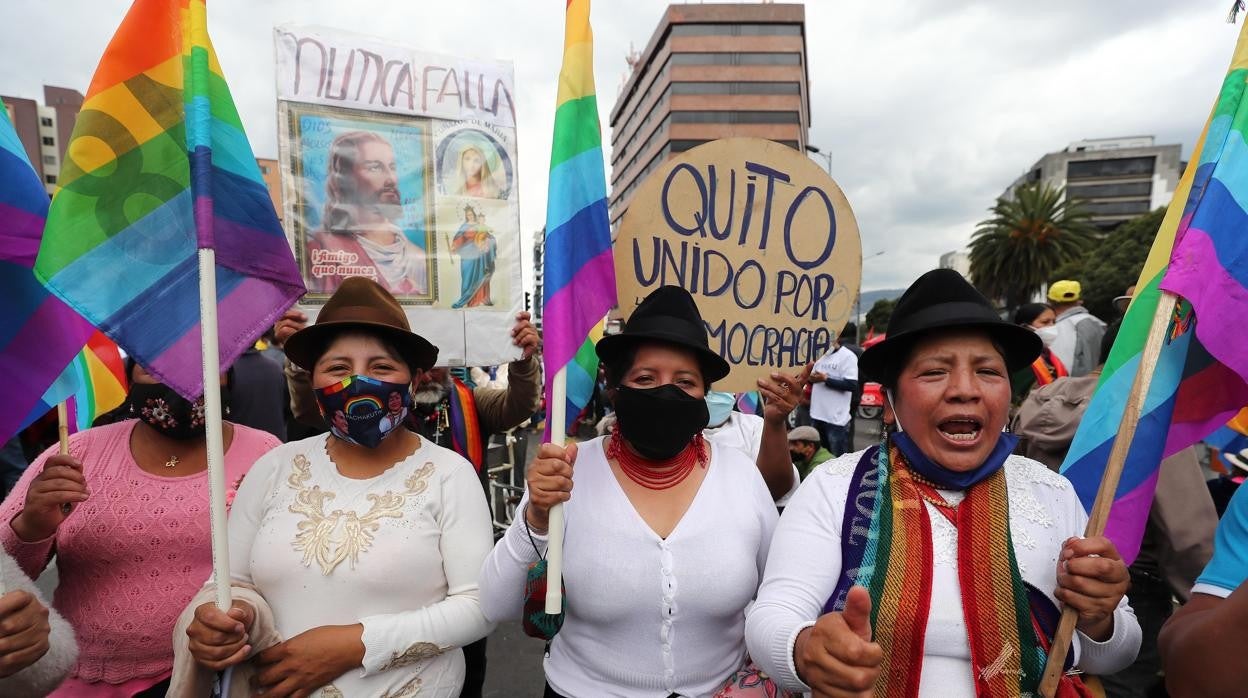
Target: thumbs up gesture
pixel 836 657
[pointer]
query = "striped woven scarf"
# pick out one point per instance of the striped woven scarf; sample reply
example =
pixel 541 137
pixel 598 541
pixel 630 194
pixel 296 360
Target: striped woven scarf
pixel 895 565
pixel 465 425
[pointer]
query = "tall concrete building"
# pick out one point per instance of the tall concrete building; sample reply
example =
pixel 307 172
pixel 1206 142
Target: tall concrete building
pixel 1116 179
pixel 958 261
pixel 271 173
pixel 709 71
pixel 44 128
pixel 539 281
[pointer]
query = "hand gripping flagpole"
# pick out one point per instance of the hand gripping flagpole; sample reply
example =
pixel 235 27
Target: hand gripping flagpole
pixel 557 425
pixel 1109 480
pixel 198 124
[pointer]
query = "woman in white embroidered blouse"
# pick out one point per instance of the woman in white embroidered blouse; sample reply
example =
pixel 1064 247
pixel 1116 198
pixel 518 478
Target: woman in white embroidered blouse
pixel 666 535
pixel 930 565
pixel 365 543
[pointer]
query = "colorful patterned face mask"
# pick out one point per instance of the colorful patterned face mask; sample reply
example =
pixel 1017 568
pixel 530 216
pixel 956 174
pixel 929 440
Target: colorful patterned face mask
pixel 167 412
pixel 363 410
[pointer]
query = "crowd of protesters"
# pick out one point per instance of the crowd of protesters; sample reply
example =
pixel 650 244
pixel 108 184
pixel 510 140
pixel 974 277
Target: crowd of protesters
pixel 709 550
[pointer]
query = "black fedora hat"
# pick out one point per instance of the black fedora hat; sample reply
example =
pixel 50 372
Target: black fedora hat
pixel 669 314
pixel 361 304
pixel 942 299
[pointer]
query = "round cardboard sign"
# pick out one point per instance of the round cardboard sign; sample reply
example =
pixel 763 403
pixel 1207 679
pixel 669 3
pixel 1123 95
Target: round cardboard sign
pixel 761 236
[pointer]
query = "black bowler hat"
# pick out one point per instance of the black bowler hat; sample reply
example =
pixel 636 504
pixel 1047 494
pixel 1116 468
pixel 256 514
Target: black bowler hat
pixel 942 299
pixel 669 315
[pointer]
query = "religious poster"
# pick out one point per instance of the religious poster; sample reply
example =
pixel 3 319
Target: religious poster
pixel 400 166
pixel 763 239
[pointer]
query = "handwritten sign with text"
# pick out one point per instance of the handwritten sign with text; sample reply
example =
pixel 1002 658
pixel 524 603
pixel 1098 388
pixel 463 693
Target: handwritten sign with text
pixel 763 239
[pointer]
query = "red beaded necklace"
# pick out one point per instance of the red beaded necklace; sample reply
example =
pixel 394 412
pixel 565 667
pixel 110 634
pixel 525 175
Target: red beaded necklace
pixel 656 474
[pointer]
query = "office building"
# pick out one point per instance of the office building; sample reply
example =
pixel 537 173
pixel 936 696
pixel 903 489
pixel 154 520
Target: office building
pixel 1116 179
pixel 709 71
pixel 271 173
pixel 958 261
pixel 44 128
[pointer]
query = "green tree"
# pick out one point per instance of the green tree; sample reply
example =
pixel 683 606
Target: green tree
pixel 1115 262
pixel 878 316
pixel 1014 253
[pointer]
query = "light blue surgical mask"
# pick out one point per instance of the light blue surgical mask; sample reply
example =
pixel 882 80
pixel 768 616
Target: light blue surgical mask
pixel 719 404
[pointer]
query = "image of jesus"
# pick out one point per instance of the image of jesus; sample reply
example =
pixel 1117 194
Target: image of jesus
pixel 358 231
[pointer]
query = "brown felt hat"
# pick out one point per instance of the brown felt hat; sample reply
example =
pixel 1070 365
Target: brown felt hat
pixel 361 304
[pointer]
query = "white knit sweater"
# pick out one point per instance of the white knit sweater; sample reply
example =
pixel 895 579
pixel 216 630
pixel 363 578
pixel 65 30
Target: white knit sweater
pixel 805 562
pixel 398 553
pixel 646 617
pixel 48 671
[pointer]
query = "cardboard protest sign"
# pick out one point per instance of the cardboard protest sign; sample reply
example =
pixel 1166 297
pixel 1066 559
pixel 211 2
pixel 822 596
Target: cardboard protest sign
pixel 400 165
pixel 763 239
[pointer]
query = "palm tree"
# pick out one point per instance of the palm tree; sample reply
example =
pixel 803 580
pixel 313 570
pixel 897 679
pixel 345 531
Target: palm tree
pixel 1014 253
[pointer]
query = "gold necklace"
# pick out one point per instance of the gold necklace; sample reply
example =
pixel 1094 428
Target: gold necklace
pixel 934 501
pixel 172 462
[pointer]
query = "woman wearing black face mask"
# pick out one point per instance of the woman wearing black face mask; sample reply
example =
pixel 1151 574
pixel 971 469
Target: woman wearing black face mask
pixel 134 546
pixel 666 534
pixel 361 546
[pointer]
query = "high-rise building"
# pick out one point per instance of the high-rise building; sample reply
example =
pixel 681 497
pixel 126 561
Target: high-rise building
pixel 958 261
pixel 271 173
pixel 44 128
pixel 539 251
pixel 709 71
pixel 1116 179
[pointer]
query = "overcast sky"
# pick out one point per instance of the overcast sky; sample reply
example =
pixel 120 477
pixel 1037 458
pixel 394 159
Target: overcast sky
pixel 929 107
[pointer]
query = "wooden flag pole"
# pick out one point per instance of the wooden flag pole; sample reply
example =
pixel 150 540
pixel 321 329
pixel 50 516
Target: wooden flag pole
pixel 556 424
pixel 212 425
pixel 1113 473
pixel 62 433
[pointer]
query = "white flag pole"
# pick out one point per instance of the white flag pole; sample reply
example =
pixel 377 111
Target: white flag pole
pixel 557 424
pixel 212 424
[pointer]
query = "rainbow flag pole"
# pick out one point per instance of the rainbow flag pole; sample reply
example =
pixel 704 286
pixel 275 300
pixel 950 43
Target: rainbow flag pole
pixel 1108 489
pixel 580 275
pixel 160 183
pixel 1178 348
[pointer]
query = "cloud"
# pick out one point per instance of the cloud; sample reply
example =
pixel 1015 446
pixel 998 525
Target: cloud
pixel 930 109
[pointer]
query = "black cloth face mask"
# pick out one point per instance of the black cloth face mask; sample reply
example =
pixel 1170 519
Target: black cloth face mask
pixel 168 412
pixel 659 422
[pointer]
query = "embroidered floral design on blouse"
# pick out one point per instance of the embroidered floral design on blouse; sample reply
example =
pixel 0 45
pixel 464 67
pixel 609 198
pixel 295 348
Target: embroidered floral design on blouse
pixel 407 690
pixel 329 539
pixel 332 691
pixel 416 653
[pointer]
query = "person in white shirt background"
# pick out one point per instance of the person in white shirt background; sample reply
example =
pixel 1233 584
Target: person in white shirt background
pixel 366 546
pixel 834 380
pixel 666 533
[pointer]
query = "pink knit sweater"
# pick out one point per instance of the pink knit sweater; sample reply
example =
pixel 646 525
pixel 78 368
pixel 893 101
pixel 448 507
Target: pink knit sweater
pixel 131 557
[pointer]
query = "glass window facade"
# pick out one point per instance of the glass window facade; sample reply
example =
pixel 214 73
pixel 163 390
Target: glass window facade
pixel 735 88
pixel 736 59
pixel 735 117
pixel 1114 167
pixel 710 29
pixel 1116 208
pixel 1103 191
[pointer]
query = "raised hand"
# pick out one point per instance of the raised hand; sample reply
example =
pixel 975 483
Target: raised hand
pixel 782 393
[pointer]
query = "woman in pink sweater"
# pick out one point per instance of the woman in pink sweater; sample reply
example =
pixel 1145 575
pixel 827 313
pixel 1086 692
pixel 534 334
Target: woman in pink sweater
pixel 135 546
